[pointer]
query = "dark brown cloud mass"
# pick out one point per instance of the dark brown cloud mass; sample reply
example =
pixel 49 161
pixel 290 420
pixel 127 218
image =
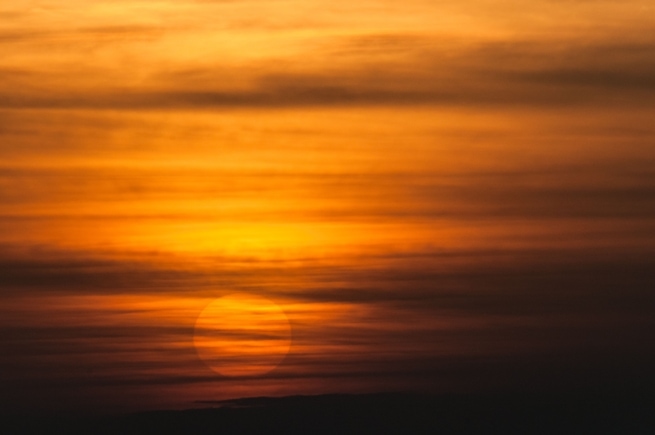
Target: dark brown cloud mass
pixel 524 73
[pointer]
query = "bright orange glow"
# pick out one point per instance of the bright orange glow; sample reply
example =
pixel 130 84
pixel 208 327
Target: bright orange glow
pixel 242 335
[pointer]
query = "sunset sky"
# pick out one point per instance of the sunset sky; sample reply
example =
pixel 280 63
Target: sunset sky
pixel 441 196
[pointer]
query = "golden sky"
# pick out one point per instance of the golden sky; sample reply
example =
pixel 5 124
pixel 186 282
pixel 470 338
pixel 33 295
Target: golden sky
pixel 441 195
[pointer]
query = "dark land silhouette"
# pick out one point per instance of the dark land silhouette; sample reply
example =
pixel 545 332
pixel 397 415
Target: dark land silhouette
pixel 387 413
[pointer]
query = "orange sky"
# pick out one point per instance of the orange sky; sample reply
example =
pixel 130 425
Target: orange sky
pixel 439 195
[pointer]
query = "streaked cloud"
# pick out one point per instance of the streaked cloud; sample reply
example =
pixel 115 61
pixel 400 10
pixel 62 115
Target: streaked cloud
pixel 439 195
pixel 528 73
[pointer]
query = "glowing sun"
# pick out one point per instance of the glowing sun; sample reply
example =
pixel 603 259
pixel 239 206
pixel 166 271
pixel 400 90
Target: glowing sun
pixel 242 335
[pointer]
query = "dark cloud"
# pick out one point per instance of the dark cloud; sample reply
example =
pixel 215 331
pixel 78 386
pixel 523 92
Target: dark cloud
pixel 86 275
pixel 514 281
pixel 517 73
pixel 420 318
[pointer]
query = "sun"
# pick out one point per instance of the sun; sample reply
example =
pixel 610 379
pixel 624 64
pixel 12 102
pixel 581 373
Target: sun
pixel 242 335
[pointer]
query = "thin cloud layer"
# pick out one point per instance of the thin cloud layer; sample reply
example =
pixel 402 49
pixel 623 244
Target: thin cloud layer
pixel 528 73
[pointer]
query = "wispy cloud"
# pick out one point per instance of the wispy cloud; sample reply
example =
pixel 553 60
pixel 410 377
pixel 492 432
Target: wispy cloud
pixel 524 73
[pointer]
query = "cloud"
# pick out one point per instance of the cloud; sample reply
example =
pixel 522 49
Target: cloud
pixel 524 73
pixel 601 188
pixel 517 281
pixel 82 37
pixel 35 270
pixel 437 318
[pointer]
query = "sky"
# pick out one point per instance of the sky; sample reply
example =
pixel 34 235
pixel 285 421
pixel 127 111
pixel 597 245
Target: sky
pixel 437 196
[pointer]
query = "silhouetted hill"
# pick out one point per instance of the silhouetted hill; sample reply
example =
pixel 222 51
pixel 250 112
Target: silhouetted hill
pixel 392 413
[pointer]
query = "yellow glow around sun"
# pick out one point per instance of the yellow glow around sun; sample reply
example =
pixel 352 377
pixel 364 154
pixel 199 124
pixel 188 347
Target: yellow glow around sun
pixel 242 335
